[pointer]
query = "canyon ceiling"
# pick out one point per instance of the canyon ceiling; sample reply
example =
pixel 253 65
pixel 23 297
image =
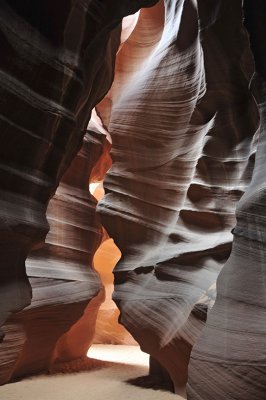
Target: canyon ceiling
pixel 166 107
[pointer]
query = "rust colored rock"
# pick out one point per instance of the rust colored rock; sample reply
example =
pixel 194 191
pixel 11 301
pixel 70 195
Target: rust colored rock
pixel 67 291
pixel 183 119
pixel 108 330
pixel 133 53
pixel 183 154
pixel 58 62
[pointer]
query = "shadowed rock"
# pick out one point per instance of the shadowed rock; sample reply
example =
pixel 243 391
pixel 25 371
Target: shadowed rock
pixel 58 62
pixel 183 154
pixel 229 359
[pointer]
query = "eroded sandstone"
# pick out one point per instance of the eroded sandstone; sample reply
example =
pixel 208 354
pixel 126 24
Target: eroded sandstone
pixel 228 361
pixel 183 154
pixel 58 62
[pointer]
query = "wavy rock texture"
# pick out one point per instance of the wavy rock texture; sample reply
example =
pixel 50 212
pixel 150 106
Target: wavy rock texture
pixel 183 154
pixel 107 329
pixel 57 63
pixel 140 35
pixel 59 324
pixel 229 360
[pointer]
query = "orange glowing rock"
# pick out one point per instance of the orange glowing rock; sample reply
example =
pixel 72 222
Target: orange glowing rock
pixel 108 330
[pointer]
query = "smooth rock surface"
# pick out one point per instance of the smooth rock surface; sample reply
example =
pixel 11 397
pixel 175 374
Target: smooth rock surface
pixel 183 154
pixel 59 324
pixel 58 62
pixel 184 123
pixel 229 359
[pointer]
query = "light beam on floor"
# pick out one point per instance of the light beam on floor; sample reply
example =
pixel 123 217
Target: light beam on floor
pixel 122 354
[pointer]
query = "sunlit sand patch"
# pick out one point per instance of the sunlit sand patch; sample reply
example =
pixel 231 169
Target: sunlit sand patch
pixel 130 355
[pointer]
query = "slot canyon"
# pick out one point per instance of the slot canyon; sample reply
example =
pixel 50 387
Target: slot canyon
pixel 133 191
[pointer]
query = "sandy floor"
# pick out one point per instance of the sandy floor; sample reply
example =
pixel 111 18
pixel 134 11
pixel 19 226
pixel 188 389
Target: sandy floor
pixel 107 380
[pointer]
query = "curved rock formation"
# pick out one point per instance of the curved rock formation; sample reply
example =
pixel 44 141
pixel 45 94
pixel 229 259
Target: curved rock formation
pixel 141 40
pixel 183 154
pixel 140 34
pixel 107 329
pixel 182 118
pixel 58 62
pixel 61 274
pixel 229 360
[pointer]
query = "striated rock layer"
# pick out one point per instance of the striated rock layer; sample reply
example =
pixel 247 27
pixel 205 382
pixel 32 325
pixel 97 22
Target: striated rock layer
pixel 59 324
pixel 229 360
pixel 143 31
pixel 57 63
pixel 183 154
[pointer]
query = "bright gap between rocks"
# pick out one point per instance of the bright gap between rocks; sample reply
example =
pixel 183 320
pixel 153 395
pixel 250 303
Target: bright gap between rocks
pixel 122 354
